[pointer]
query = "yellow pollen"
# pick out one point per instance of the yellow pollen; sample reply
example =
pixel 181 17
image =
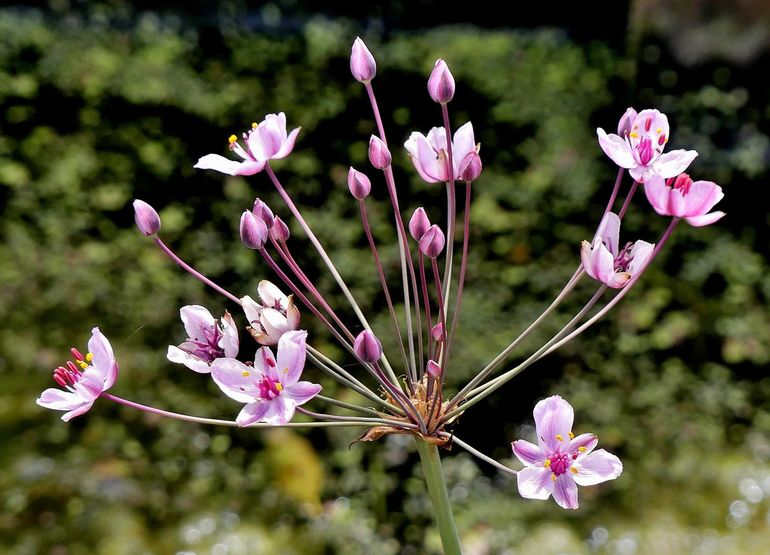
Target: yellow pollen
pixel 634 134
pixel 547 463
pixel 573 470
pixel 659 130
pixel 553 477
pixel 581 449
pixel 83 364
pixel 278 386
pixel 89 357
pixel 559 437
pixel 254 125
pixel 286 370
pixel 245 373
pixel 232 139
pixel 571 435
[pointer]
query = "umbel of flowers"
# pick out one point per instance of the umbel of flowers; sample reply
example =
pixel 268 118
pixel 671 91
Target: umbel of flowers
pixel 402 392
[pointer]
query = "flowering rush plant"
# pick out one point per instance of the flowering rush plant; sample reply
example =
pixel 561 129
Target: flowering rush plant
pixel 402 392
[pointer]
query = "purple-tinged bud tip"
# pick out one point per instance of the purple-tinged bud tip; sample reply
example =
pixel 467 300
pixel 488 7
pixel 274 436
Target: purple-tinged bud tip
pixel 253 231
pixel 146 218
pixel 359 184
pixel 379 155
pixel 432 242
pixel 437 332
pixel 441 83
pixel 624 125
pixel 362 64
pixel 433 369
pixel 263 212
pixel 419 224
pixel 470 167
pixel 279 231
pixel 367 347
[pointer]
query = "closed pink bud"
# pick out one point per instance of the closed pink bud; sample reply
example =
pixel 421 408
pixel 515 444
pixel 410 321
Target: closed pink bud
pixel 359 184
pixel 433 369
pixel 253 231
pixel 419 223
pixel 379 155
pixel 441 84
pixel 362 64
pixel 146 218
pixel 624 125
pixel 367 347
pixel 279 231
pixel 432 242
pixel 437 332
pixel 263 212
pixel 470 167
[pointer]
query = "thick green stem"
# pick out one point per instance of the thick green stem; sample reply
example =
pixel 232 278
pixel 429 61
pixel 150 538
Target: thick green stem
pixel 439 496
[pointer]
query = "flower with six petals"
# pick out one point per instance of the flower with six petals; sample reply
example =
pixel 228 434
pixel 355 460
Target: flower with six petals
pixel 207 339
pixel 84 380
pixel 275 316
pixel 684 198
pixel 429 154
pixel 271 388
pixel 561 461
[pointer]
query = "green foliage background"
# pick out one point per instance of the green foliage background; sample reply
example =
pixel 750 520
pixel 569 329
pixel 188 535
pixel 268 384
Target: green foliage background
pixel 94 114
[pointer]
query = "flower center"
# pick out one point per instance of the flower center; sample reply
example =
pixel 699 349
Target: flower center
pixel 206 347
pixel 269 388
pixel 71 372
pixel 645 150
pixel 558 463
pixel 682 182
pixel 624 258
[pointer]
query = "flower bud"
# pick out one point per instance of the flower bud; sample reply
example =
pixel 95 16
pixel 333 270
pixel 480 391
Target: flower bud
pixel 379 155
pixel 437 332
pixel 362 64
pixel 279 231
pixel 432 242
pixel 146 218
pixel 253 231
pixel 441 84
pixel 433 369
pixel 263 212
pixel 470 167
pixel 624 125
pixel 419 224
pixel 367 347
pixel 359 184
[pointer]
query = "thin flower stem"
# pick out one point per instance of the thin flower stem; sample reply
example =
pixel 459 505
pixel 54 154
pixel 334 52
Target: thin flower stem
pixel 193 271
pixel 615 190
pixel 357 419
pixel 325 257
pixel 383 280
pixel 451 207
pixel 334 367
pixel 489 368
pixel 463 265
pixel 376 110
pixel 348 406
pixel 626 202
pixel 426 300
pixel 230 423
pixel 439 496
pixel 476 453
pixel 483 391
pixel 437 398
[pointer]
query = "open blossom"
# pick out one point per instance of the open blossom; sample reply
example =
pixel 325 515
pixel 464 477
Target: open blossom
pixel 271 388
pixel 561 461
pixel 275 316
pixel 429 154
pixel 684 198
pixel 265 141
pixel 604 262
pixel 641 150
pixel 207 339
pixel 83 380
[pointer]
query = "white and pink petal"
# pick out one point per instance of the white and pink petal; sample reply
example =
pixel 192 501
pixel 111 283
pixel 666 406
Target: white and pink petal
pixel 528 453
pixel 534 483
pixel 596 468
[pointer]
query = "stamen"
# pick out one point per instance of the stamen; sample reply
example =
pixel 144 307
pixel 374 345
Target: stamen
pixel 278 386
pixel 547 463
pixel 648 124
pixel 582 449
pixel 286 370
pixel 659 130
pixel 559 437
pixel 571 435
pixel 76 354
pixel 573 470
pixel 634 135
pixel 553 477
pixel 254 125
pixel 89 357
pixel 232 139
pixel 245 373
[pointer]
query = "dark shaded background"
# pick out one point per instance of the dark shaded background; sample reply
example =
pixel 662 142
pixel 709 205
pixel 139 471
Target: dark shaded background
pixel 103 103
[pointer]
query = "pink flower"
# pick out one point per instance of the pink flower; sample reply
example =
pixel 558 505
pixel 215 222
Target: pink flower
pixel 270 388
pixel 641 150
pixel 684 198
pixel 207 339
pixel 429 154
pixel 264 141
pixel 275 316
pixel 605 263
pixel 561 461
pixel 84 380
pixel 362 64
